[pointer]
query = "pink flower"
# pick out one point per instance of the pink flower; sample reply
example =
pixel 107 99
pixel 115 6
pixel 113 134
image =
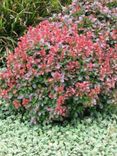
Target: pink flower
pixel 25 102
pixel 16 104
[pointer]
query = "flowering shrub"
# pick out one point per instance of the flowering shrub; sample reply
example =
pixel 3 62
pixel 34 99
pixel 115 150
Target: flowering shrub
pixel 98 17
pixel 55 71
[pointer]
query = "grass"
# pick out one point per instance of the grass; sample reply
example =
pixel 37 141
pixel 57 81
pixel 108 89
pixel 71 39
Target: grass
pixel 89 137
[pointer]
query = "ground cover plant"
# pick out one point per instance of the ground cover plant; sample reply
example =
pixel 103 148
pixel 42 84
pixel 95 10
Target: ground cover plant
pixel 17 15
pixel 88 137
pixel 61 66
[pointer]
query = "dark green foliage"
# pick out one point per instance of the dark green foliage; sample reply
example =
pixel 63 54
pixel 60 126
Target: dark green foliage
pixel 112 4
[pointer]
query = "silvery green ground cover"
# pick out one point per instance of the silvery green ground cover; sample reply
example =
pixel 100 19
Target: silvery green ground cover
pixel 89 137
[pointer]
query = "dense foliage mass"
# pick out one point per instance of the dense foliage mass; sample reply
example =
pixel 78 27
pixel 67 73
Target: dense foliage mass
pixel 63 65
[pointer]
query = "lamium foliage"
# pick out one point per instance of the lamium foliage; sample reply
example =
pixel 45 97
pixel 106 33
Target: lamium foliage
pixel 56 71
